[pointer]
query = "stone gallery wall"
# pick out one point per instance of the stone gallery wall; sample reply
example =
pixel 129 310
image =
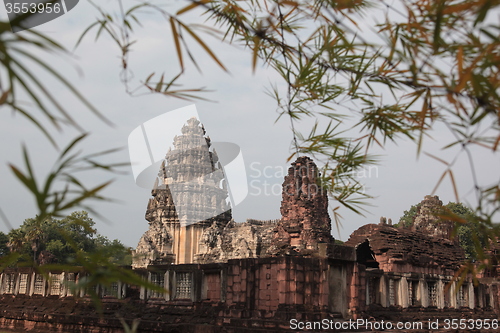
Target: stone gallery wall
pixel 241 294
pixel 265 292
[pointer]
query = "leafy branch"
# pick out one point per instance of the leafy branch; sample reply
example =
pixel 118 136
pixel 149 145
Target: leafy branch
pixel 51 199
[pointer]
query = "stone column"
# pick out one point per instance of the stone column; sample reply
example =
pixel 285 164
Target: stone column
pixel 491 298
pixel 80 291
pixel 32 284
pixel 143 291
pixel 453 295
pixel 481 296
pixel 384 295
pixel 471 296
pixel 403 297
pixel 424 293
pixel 17 283
pixel 367 289
pixel 440 287
pixel 421 292
pixel 166 285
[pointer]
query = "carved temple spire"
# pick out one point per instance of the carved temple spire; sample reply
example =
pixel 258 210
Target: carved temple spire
pixel 187 197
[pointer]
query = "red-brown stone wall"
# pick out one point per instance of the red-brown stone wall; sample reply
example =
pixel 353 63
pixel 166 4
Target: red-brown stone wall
pixel 213 286
pixel 268 283
pixel 356 290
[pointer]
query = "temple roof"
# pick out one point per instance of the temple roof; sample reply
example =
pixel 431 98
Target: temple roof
pixel 397 245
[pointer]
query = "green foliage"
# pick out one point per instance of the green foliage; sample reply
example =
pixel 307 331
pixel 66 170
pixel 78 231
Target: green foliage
pixel 468 229
pixel 407 219
pixel 4 239
pixel 51 200
pixel 62 240
pixel 114 250
pixel 18 67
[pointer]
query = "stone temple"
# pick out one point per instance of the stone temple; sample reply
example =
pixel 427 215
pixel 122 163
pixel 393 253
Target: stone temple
pixel 189 196
pixel 218 276
pixel 190 218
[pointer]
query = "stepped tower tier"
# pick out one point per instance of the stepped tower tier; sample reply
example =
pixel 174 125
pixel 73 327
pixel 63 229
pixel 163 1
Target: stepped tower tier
pixel 188 196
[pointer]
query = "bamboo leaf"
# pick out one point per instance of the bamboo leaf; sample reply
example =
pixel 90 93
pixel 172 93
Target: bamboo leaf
pixel 193 5
pixel 72 144
pixel 256 42
pixel 175 35
pixel 203 45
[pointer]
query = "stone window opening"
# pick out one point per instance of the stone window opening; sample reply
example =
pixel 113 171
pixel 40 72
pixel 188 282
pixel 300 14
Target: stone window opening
pixel 432 293
pixel 92 290
pixel 462 296
pixel 111 290
pixel 38 287
pixel 372 288
pixel 487 297
pixel 70 284
pixel 9 282
pixel 413 293
pixel 183 285
pixel 55 284
pixel 448 292
pixel 23 283
pixel 478 292
pixel 157 279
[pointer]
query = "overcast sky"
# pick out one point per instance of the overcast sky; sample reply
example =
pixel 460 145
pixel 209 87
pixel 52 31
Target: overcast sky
pixel 242 114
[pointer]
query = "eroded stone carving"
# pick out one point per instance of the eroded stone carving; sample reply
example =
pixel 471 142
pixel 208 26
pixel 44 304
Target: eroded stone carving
pixel 250 239
pixel 305 222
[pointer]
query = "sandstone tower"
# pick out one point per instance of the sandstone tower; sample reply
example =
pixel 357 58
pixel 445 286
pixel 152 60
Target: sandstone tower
pixel 429 218
pixel 305 223
pixel 189 196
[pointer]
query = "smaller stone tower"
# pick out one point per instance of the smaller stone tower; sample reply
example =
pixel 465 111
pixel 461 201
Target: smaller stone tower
pixel 429 218
pixel 305 225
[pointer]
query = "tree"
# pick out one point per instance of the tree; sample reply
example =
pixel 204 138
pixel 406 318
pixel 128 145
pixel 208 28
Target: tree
pixel 4 240
pixel 64 241
pixel 114 250
pixel 407 219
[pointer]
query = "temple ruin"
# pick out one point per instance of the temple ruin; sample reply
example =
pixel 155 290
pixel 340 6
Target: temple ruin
pixel 190 219
pixel 222 276
pixel 415 266
pixel 305 226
